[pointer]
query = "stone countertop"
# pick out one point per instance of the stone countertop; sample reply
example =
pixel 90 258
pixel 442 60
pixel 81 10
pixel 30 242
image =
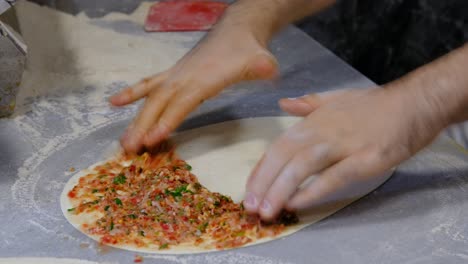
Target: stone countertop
pixel 418 216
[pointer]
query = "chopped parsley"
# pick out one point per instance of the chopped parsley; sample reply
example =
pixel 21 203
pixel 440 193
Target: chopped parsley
pixel 106 208
pixel 132 216
pixel 187 167
pixel 203 227
pixel 240 233
pixel 111 226
pixel 142 233
pixel 163 246
pixel 120 179
pixel 71 209
pixel 178 191
pixel 95 191
pixel 118 201
pixel 225 198
pixel 199 206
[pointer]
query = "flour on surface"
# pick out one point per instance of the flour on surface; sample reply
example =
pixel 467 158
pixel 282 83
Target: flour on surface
pixel 227 258
pixel 72 69
pixel 46 261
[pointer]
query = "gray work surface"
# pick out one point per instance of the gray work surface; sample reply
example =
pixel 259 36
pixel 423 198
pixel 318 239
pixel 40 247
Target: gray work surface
pixel 418 216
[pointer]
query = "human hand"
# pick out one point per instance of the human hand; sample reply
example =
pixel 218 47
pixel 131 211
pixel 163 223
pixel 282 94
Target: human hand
pixel 346 137
pixel 228 55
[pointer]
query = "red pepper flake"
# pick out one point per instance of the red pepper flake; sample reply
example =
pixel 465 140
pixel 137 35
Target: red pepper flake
pixel 138 259
pixel 72 169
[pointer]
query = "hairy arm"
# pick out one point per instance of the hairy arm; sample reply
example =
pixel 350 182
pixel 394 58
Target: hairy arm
pixel 444 85
pixel 349 136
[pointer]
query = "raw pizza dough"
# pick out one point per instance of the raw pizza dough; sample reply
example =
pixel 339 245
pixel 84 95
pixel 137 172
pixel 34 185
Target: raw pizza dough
pixel 222 156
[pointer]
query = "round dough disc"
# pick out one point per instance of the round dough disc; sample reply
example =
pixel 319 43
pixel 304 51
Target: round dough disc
pixel 222 156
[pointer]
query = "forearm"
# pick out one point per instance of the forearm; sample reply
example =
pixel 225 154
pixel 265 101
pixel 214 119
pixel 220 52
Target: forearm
pixel 266 17
pixel 443 86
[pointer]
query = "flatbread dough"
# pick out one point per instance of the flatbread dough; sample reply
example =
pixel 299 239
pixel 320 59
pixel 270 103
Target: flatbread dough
pixel 222 156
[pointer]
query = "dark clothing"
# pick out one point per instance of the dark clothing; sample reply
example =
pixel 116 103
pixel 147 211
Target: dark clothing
pixel 384 39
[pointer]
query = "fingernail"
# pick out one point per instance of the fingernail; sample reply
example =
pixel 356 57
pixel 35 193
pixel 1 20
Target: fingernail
pixel 133 140
pixel 295 98
pixel 115 99
pixel 250 201
pixel 265 207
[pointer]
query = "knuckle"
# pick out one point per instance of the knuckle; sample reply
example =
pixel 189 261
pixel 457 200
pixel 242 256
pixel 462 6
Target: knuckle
pixel 294 172
pixel 320 152
pixel 145 81
pixel 173 84
pixel 288 138
pixel 341 180
pixel 303 132
pixel 377 155
pixel 127 93
pixel 153 96
pixel 145 84
pixel 190 98
pixel 301 160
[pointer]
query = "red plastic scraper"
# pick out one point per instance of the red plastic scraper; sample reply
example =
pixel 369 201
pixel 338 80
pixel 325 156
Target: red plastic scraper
pixel 183 15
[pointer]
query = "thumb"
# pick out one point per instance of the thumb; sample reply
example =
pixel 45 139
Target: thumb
pixel 304 105
pixel 300 106
pixel 263 66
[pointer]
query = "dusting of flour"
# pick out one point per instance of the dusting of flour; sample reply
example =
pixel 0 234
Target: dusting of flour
pixel 44 261
pixel 227 258
pixel 73 67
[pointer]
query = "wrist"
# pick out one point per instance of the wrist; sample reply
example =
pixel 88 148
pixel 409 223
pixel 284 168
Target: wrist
pixel 445 83
pixel 439 88
pixel 258 18
pixel 416 97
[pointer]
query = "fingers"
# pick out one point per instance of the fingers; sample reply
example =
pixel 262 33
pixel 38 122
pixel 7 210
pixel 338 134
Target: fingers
pixel 189 97
pixel 171 96
pixel 334 179
pixel 277 156
pixel 178 107
pixel 302 106
pixel 137 91
pixel 133 139
pixel 305 163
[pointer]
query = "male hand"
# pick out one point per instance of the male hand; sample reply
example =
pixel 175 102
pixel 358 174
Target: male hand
pixel 228 55
pixel 346 137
